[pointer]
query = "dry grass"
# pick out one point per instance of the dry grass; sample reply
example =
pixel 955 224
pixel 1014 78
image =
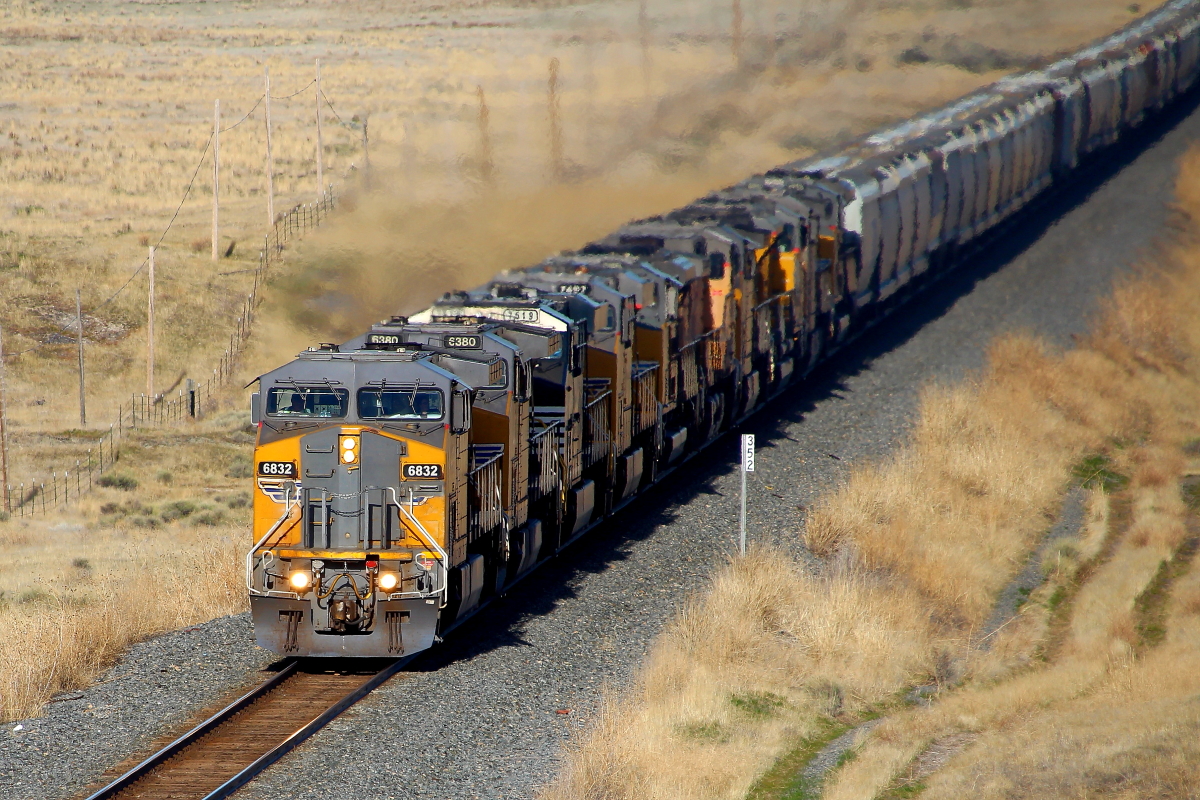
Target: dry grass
pixel 61 636
pixel 77 587
pixel 918 548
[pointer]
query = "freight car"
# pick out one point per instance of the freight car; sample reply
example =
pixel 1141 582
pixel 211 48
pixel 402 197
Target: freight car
pixel 407 475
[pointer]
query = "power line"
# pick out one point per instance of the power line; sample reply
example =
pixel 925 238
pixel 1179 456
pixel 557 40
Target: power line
pixel 248 113
pixel 325 97
pixel 186 193
pixel 293 94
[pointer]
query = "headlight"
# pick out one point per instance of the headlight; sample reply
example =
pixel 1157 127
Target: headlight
pixel 349 450
pixel 300 580
pixel 388 581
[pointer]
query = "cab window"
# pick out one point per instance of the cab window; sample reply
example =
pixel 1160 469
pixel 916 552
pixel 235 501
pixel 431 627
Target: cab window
pixel 300 401
pixel 400 404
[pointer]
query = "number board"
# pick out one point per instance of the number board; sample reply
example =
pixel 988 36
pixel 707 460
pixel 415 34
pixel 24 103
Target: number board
pixel 520 314
pixel 417 472
pixel 277 469
pixel 382 340
pixel 462 341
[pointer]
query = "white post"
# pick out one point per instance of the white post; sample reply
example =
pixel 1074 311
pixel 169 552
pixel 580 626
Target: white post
pixel 150 333
pixel 216 245
pixel 270 158
pixel 79 339
pixel 320 144
pixel 746 466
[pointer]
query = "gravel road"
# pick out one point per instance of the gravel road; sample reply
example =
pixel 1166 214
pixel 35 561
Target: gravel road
pixel 485 715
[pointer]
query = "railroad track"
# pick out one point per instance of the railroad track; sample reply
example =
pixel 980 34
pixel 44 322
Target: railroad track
pixel 227 750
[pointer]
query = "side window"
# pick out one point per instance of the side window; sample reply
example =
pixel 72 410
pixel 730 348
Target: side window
pixel 787 237
pixel 520 380
pixel 716 265
pixel 460 411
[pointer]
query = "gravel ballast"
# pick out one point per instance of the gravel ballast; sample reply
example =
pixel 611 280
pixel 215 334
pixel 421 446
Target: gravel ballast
pixel 159 685
pixel 486 714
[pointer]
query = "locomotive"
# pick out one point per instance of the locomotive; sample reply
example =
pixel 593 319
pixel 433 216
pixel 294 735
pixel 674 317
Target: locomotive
pixel 408 475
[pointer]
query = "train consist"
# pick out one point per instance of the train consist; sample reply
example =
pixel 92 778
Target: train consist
pixel 409 474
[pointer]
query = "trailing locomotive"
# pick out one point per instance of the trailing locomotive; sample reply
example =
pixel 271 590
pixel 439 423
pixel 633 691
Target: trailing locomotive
pixel 409 474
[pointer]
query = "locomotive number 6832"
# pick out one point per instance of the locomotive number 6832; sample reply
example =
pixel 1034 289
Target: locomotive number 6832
pixel 423 471
pixel 277 469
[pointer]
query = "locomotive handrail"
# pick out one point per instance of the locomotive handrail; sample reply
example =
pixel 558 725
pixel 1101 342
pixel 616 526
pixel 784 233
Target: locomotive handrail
pixel 424 536
pixel 287 512
pixel 775 298
pixel 596 408
pixel 545 444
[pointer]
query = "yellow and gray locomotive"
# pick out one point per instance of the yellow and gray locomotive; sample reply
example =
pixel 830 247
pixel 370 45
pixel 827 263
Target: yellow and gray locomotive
pixel 404 477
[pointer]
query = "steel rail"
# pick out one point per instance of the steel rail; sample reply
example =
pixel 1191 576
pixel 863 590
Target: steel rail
pixel 289 744
pixel 195 734
pixel 248 773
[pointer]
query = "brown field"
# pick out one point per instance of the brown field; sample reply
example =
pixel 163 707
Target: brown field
pixel 1088 691
pixel 106 110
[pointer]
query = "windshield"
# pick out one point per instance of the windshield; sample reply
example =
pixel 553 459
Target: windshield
pixel 305 401
pixel 399 404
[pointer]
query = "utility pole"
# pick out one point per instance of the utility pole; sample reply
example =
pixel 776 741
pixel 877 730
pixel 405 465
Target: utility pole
pixel 644 36
pixel 366 146
pixel 270 158
pixel 320 143
pixel 3 430
pixel 216 246
pixel 150 334
pixel 737 33
pixel 79 339
pixel 556 145
pixel 485 139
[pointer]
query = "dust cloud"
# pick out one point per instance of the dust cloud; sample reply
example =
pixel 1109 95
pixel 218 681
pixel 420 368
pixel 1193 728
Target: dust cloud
pixel 627 110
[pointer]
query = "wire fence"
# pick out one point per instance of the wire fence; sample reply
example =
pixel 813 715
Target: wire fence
pixel 196 400
pixel 69 484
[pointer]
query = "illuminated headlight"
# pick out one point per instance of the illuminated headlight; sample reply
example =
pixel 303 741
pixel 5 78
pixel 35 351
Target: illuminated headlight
pixel 300 580
pixel 349 449
pixel 388 581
